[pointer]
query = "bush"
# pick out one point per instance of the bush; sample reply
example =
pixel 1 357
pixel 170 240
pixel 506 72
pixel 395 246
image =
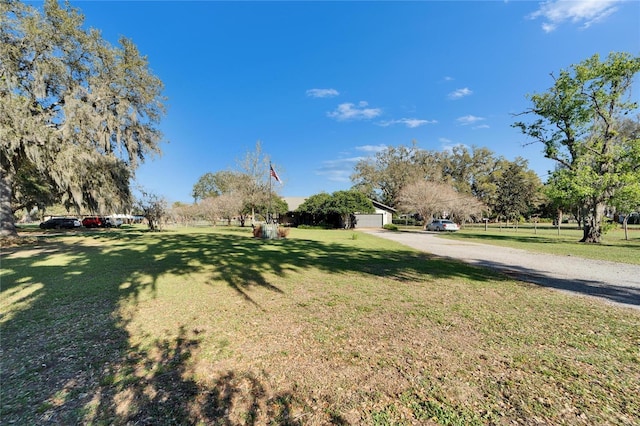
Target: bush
pixel 390 227
pixel 283 232
pixel 321 226
pixel 407 222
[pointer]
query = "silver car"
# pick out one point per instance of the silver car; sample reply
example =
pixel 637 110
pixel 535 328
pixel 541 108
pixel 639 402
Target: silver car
pixel 443 225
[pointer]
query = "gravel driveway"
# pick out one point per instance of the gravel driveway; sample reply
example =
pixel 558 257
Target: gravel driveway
pixel 614 282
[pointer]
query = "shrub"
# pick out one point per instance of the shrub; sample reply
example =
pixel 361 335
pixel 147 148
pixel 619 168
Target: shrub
pixel 390 227
pixel 283 232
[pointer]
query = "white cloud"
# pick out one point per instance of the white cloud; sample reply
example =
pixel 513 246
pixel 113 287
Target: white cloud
pixel 460 93
pixel 338 170
pixel 412 123
pixel 349 111
pixel 482 126
pixel 468 119
pixel 322 93
pixel 448 146
pixel 372 148
pixel 587 12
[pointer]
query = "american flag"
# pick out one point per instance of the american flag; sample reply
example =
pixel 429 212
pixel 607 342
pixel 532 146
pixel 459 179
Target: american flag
pixel 274 174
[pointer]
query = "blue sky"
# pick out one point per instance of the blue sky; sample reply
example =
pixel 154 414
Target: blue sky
pixel 324 84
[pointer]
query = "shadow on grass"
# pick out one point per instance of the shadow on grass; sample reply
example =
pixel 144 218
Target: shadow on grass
pixel 66 354
pixel 624 295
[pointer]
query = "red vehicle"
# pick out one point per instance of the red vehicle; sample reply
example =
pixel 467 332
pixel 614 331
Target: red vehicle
pixel 94 222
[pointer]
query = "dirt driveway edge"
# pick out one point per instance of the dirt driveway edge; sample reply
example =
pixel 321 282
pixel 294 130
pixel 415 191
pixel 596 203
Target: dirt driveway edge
pixel 613 282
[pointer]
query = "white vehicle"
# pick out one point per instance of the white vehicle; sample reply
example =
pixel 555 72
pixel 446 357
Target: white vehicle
pixel 113 221
pixel 443 225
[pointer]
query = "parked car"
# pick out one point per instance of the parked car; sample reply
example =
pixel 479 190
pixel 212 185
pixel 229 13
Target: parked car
pixel 60 223
pixel 113 221
pixel 442 225
pixel 93 222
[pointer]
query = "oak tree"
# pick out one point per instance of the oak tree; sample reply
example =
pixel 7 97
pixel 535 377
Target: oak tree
pixel 76 113
pixel 577 121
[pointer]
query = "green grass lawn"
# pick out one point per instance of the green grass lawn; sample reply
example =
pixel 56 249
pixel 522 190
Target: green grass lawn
pixel 211 326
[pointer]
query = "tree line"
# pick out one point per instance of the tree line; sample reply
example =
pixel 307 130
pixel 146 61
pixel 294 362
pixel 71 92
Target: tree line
pixel 462 184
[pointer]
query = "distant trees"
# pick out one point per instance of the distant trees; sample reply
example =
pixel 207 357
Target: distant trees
pixel 383 177
pixel 405 177
pixel 241 192
pixel 578 121
pixel 516 192
pixel 218 183
pixel 77 115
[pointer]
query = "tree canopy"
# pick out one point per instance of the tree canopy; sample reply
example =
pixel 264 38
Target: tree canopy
pixel 323 207
pixel 249 183
pixel 437 199
pixel 77 114
pixel 578 121
pixel 475 172
pixel 516 192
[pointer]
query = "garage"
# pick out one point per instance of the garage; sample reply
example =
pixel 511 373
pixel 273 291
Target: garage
pixel 369 220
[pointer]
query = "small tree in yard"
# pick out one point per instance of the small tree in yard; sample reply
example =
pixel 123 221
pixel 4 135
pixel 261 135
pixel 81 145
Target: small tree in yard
pixel 428 199
pixel 154 208
pixel 467 207
pixel 579 125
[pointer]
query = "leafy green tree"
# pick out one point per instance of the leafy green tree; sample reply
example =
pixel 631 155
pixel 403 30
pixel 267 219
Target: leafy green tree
pixel 76 111
pixel 323 207
pixel 346 203
pixel 315 207
pixel 516 193
pixel 315 204
pixel 276 206
pixel 578 124
pixel 464 168
pixel 627 199
pixel 218 183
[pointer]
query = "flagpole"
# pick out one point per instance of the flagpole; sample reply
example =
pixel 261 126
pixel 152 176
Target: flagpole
pixel 269 209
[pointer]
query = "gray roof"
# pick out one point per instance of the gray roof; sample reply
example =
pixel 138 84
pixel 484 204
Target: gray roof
pixel 294 202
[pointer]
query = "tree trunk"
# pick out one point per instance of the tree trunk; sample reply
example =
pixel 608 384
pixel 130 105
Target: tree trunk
pixel 624 225
pixel 7 221
pixel 559 220
pixel 592 228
